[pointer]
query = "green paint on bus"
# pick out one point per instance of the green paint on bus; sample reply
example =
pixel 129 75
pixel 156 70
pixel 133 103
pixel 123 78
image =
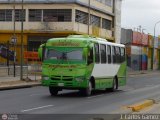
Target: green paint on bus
pixel 70 63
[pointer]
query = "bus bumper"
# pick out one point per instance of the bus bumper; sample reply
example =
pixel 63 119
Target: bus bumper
pixel 65 84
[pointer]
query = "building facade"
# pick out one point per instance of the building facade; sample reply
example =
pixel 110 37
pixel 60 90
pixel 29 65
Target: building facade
pixel 44 19
pixel 141 53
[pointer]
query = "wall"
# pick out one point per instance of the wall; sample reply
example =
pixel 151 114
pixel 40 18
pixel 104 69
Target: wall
pixel 7 37
pixel 150 41
pixel 118 4
pixel 137 38
pixel 126 36
pixel 140 51
pixel 96 4
pixel 135 58
pixel 144 58
pixel 156 59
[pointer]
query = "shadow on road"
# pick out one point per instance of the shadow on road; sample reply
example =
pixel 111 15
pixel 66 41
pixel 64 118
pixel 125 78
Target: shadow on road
pixel 77 94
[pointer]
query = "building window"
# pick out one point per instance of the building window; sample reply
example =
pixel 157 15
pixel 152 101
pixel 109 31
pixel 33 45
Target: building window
pixel 99 0
pixel 103 54
pixel 18 15
pixel 97 60
pixel 5 15
pixel 57 15
pixel 35 15
pixel 106 2
pixel 81 17
pixel 95 21
pixel 106 24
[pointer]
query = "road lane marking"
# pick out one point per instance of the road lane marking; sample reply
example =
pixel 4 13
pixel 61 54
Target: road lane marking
pixel 37 108
pixel 110 93
pixel 149 85
pixel 34 95
pixel 96 96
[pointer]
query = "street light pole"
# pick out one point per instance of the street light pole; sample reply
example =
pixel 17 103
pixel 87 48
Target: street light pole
pixel 14 38
pixel 89 5
pixel 21 70
pixel 141 45
pixel 140 30
pixel 154 37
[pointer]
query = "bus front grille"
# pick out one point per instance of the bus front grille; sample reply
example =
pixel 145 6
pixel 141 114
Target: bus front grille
pixel 56 78
pixel 67 78
pixel 63 78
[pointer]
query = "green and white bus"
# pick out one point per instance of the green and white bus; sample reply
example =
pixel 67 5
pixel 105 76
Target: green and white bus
pixel 82 62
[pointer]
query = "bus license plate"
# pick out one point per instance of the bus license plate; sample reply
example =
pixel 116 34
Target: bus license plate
pixel 61 84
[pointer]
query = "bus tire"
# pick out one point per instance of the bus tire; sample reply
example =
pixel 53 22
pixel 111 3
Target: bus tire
pixel 114 85
pixel 53 91
pixel 87 91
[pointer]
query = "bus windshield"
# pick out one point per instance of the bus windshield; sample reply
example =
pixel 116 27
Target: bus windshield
pixel 76 54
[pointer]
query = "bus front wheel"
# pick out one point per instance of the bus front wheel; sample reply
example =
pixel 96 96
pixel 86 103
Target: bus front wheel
pixel 87 91
pixel 53 91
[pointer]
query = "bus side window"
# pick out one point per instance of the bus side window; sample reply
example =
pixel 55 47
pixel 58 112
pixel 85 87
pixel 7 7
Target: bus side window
pixel 90 56
pixel 118 55
pixel 97 59
pixel 113 54
pixel 109 53
pixel 103 53
pixel 122 55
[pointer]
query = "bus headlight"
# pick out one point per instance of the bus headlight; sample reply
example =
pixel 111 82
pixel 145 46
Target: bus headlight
pixel 79 79
pixel 45 78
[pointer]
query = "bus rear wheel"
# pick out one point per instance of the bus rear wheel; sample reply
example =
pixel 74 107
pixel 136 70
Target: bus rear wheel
pixel 114 85
pixel 53 91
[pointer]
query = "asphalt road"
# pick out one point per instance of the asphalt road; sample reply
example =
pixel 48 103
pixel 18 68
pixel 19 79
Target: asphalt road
pixel 37 100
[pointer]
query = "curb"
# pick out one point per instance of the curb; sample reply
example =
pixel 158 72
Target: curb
pixel 142 105
pixel 156 100
pixel 135 73
pixel 19 86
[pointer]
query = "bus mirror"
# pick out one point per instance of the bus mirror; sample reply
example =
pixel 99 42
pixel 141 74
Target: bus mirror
pixel 43 52
pixel 90 56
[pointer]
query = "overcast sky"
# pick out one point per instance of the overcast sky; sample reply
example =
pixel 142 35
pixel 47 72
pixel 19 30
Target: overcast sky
pixel 141 12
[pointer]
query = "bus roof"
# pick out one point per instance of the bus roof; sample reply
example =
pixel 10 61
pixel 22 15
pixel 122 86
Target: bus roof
pixel 83 39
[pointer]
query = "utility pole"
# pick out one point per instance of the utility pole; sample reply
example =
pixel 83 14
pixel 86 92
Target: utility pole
pixel 89 12
pixel 140 29
pixel 14 40
pixel 154 38
pixel 8 56
pixel 141 45
pixel 21 69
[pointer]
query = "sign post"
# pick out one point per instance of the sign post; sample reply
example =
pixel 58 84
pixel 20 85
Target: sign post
pixel 14 41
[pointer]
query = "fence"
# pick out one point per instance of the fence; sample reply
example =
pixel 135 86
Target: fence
pixel 31 63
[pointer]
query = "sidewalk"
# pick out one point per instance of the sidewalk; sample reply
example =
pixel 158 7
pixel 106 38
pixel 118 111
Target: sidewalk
pixel 10 82
pixel 133 73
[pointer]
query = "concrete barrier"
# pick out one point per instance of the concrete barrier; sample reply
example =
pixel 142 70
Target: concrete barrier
pixel 139 106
